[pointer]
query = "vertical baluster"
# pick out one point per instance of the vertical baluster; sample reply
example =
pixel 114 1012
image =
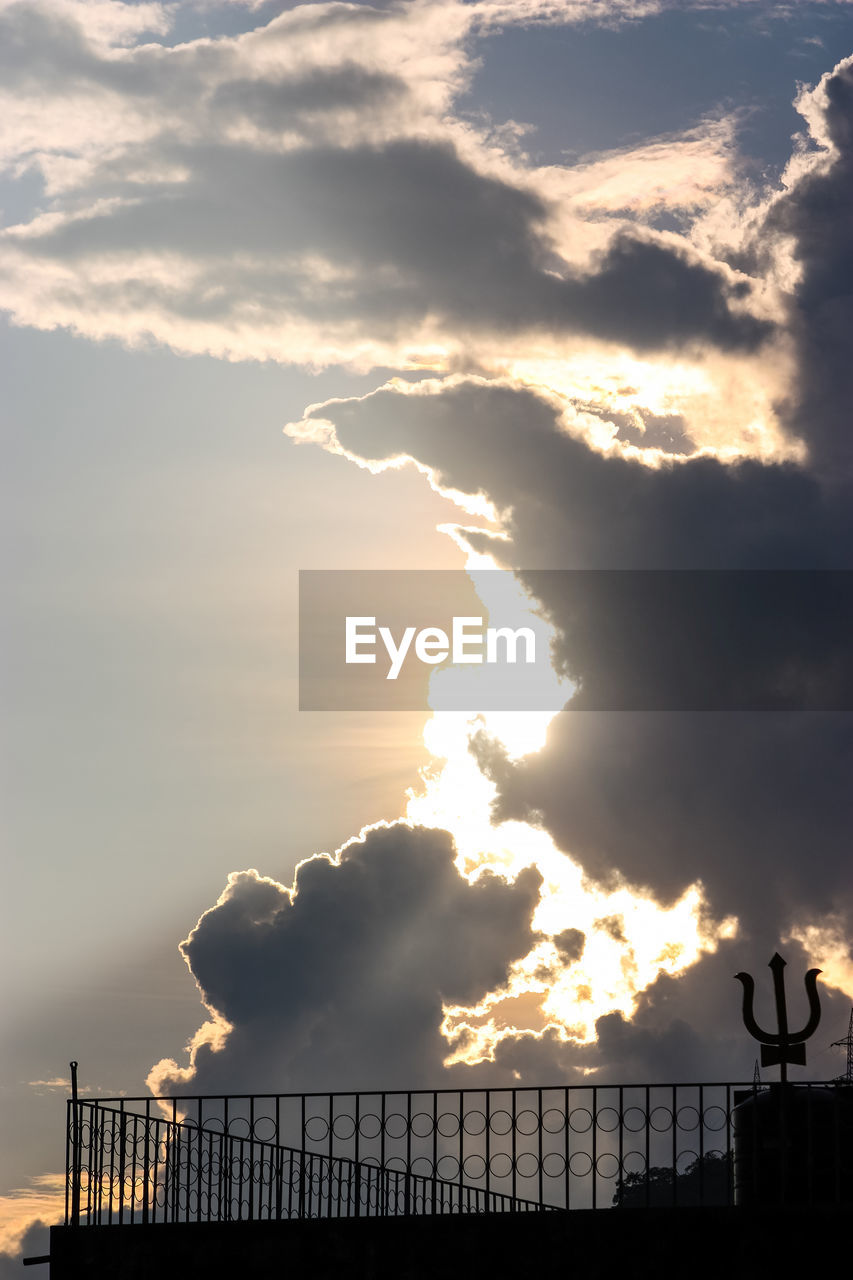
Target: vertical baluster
pixel 98 1172
pixel 514 1151
pixel 121 1161
pixel 303 1162
pixel 674 1113
pixel 199 1158
pixel 354 1178
pixel 133 1168
pixel 541 1155
pixel 838 1117
pixel 487 1110
pixel 226 1176
pixel 594 1170
pixel 648 1145
pixel 331 1151
pixel 701 1109
pixel 382 1113
pixel 620 1176
pixel 159 1145
pixel 146 1162
pixel 567 1152
pixel 408 1147
pixel 460 1135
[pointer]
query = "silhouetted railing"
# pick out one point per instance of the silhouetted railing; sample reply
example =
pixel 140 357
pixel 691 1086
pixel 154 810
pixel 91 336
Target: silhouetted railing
pixel 242 1157
pixel 132 1167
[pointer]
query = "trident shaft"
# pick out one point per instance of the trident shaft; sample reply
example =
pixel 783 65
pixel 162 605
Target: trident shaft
pixel 782 1046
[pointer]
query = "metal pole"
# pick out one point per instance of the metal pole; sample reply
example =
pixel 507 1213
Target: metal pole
pixel 76 1154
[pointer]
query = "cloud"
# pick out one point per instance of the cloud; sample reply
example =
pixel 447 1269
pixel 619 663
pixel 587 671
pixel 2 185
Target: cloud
pixel 570 506
pixel 813 221
pixel 682 172
pixel 739 801
pixel 24 1213
pixel 564 12
pixel 305 192
pixel 755 807
pixel 33 1243
pixel 689 1027
pixel 341 981
pixel 110 23
pixel 609 13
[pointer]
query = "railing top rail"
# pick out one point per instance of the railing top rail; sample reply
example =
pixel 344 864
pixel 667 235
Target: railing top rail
pixel 446 1091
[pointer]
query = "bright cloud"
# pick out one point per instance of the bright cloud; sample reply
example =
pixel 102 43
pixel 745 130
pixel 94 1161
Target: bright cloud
pixel 306 192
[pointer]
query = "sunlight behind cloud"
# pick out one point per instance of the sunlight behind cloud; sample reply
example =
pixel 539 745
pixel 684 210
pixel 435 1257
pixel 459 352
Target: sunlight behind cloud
pixel 625 939
pixel 613 399
pixel 629 939
pixel 828 945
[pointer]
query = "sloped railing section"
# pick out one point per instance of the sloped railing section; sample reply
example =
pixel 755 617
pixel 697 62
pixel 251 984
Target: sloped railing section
pixel 128 1167
pixel 253 1157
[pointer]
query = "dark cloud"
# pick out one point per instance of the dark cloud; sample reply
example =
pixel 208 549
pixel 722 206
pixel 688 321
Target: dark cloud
pixel 688 1027
pixel 273 105
pixel 702 640
pixel 47 49
pixel 415 231
pixel 344 985
pixel 307 174
pixel 744 802
pixel 569 945
pixel 816 214
pixel 755 805
pixel 571 507
pixel 35 43
pixel 653 297
pixel 35 1243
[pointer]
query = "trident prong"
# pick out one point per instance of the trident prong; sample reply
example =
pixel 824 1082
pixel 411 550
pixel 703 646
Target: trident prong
pixel 782 1046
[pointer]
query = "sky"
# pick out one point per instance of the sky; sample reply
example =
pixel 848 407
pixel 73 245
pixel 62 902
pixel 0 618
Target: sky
pixel 520 284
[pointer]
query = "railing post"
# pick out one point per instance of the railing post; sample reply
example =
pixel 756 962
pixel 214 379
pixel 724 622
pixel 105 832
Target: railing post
pixel 146 1163
pixel 176 1162
pixel 96 1162
pixel 76 1153
pixel 122 1156
pixel 252 1163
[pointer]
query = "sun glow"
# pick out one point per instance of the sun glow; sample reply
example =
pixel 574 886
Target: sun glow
pixel 826 942
pixel 596 949
pixel 599 388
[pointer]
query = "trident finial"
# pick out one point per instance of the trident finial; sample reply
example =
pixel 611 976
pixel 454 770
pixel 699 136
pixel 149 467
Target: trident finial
pixel 782 1046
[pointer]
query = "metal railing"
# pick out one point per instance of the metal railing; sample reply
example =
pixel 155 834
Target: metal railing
pixel 129 1167
pixel 250 1157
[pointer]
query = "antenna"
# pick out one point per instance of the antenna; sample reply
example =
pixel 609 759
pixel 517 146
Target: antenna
pixel 848 1041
